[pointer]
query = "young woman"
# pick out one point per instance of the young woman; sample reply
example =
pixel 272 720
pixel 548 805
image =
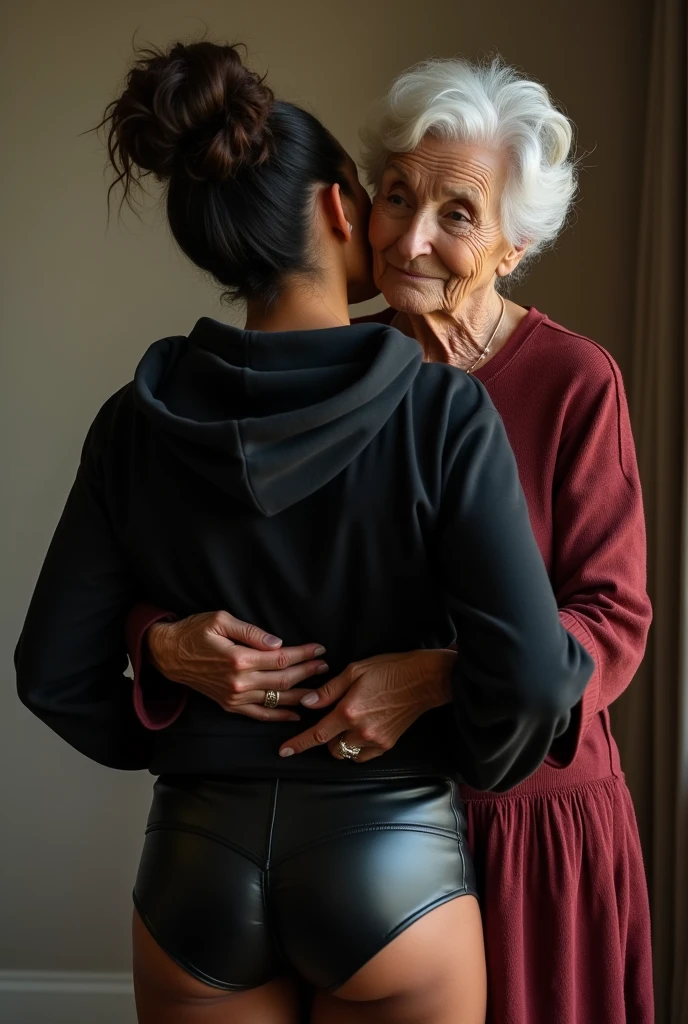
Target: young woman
pixel 323 479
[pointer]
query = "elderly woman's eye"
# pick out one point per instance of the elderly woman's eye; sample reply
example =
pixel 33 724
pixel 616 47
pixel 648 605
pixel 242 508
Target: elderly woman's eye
pixel 395 199
pixel 458 217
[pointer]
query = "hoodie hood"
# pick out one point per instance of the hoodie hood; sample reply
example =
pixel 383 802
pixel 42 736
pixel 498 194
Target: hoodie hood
pixel 271 417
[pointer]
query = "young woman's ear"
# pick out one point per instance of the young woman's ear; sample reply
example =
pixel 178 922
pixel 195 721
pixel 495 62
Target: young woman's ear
pixel 336 213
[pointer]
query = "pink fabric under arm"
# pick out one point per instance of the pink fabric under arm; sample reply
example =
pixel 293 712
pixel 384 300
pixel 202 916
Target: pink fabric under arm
pixel 157 701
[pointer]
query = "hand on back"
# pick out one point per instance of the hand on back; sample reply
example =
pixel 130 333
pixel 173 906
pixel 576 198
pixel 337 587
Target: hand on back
pixel 234 663
pixel 375 701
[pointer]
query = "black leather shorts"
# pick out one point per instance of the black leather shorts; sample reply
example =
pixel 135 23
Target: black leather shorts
pixel 242 880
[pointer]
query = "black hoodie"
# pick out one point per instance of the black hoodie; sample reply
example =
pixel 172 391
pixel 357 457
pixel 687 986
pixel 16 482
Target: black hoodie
pixel 329 486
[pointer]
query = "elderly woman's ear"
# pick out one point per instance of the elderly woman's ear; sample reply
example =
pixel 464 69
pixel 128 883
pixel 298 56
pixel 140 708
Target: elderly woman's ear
pixel 511 260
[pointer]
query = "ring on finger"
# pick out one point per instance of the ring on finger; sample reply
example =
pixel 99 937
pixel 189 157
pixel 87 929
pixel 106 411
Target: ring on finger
pixel 347 751
pixel 271 698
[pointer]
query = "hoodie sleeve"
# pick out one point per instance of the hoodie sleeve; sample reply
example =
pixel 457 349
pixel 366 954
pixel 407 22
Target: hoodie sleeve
pixel 72 654
pixel 519 672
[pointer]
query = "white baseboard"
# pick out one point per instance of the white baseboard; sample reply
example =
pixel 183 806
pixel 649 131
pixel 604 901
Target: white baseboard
pixel 66 997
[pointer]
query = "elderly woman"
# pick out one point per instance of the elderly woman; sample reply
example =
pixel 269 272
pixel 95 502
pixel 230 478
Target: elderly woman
pixel 473 176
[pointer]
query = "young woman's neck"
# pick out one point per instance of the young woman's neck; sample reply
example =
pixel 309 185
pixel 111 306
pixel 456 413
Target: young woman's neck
pixel 300 307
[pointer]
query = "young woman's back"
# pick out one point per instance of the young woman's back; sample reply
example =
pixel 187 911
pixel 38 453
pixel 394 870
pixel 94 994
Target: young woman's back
pixel 326 483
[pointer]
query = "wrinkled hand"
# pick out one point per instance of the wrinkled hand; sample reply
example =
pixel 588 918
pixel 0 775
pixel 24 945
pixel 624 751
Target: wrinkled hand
pixel 234 663
pixel 377 700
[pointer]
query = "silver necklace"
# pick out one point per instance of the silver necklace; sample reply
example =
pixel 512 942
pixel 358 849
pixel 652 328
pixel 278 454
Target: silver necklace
pixel 486 350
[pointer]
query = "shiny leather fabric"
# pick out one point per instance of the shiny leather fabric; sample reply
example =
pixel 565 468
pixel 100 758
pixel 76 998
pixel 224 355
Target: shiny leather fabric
pixel 242 880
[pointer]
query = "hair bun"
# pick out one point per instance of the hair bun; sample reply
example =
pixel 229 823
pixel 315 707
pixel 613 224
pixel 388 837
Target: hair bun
pixel 195 109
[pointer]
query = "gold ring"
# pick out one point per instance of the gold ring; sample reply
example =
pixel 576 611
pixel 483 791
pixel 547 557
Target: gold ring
pixel 348 752
pixel 271 698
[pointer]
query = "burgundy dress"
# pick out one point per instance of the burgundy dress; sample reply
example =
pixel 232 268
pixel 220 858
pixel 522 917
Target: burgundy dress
pixel 567 922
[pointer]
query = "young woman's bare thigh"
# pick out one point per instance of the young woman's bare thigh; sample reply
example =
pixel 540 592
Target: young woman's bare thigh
pixel 166 994
pixel 433 973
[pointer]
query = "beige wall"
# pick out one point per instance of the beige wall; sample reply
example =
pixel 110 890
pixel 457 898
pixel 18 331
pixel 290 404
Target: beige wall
pixel 81 302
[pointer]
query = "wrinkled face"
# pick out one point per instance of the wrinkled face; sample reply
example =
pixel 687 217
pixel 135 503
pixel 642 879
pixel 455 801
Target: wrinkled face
pixel 360 279
pixel 435 227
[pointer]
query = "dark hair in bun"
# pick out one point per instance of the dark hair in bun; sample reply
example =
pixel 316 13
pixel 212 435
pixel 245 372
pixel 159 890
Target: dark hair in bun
pixel 239 166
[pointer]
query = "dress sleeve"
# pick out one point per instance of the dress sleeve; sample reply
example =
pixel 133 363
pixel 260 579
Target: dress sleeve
pixel 519 672
pixel 599 569
pixel 71 656
pixel 157 701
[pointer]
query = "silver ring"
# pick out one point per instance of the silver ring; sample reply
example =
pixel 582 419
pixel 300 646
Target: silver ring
pixel 347 751
pixel 271 699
